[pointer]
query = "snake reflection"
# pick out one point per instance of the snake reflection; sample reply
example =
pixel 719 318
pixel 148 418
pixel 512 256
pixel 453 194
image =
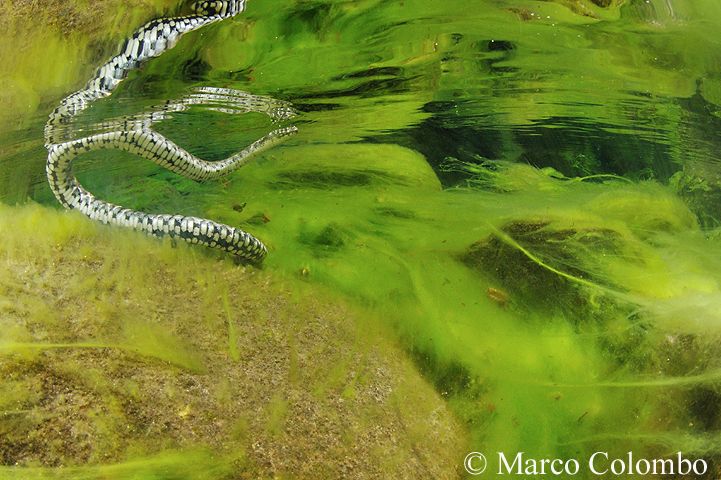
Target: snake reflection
pixel 135 135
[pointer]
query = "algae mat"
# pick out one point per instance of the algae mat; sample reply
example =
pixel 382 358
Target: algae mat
pixel 523 195
pixel 119 365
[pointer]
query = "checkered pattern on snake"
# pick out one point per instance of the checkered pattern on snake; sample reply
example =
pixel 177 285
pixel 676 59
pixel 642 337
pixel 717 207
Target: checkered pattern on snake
pixel 137 137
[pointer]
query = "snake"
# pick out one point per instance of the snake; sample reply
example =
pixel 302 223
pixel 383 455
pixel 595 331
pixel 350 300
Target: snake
pixel 137 137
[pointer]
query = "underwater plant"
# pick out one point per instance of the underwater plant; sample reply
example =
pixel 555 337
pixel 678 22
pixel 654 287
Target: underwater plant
pixel 121 357
pixel 496 230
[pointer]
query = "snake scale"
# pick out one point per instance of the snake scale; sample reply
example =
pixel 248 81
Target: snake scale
pixel 136 137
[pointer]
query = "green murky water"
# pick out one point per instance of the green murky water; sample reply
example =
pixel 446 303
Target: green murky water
pixel 528 192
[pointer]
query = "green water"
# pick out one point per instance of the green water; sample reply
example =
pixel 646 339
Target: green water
pixel 527 192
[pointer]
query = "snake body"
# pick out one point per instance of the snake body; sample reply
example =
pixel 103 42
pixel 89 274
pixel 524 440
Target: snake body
pixel 136 137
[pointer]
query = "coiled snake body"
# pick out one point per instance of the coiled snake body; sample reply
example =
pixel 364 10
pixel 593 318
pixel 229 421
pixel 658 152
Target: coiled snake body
pixel 136 137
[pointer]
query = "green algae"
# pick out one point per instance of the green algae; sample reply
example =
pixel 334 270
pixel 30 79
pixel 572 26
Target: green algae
pixel 606 332
pixel 172 465
pixel 624 258
pixel 143 345
pixel 160 362
pixel 40 64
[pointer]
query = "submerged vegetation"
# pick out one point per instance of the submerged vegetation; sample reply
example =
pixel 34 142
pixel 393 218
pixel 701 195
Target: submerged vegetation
pixel 607 289
pixel 123 357
pixel 526 199
pixel 46 47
